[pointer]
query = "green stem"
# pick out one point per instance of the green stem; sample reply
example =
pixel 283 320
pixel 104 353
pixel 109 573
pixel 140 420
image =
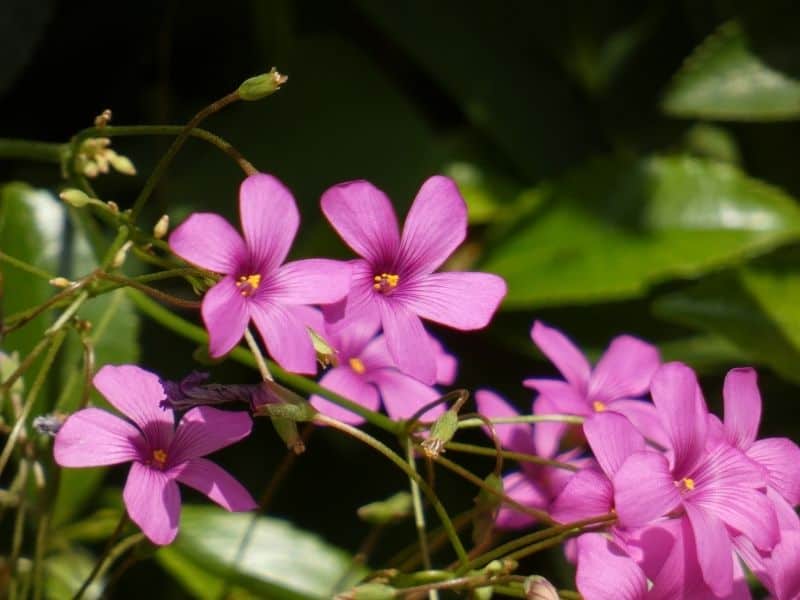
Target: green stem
pixel 402 465
pixel 33 270
pixel 70 311
pixel 419 513
pixel 42 533
pixel 150 291
pixel 107 552
pixel 518 456
pixel 523 419
pixel 19 531
pixel 29 150
pixel 197 334
pixel 259 358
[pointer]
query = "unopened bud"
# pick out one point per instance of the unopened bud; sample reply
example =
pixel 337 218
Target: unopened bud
pixel 103 118
pixel 326 354
pixel 394 508
pixel 537 587
pixel 161 227
pixel 113 207
pixel 60 282
pixel 76 198
pixel 287 430
pixel 121 255
pixel 121 164
pixel 369 591
pixel 442 432
pixel 262 85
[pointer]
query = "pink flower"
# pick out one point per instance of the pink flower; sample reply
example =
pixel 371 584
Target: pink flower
pixel 720 490
pixel 622 374
pixel 394 281
pixel 161 454
pixel 255 284
pixel 366 373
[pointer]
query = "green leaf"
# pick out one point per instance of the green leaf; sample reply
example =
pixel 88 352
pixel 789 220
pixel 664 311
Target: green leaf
pixel 725 79
pixel 279 561
pixel 612 229
pixel 66 571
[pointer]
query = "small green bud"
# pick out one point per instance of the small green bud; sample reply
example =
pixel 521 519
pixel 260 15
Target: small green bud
pixel 394 508
pixel 442 432
pixel 121 164
pixel 262 85
pixel 76 198
pixel 537 587
pixel 293 412
pixel 369 591
pixel 287 430
pixel 121 255
pixel 326 354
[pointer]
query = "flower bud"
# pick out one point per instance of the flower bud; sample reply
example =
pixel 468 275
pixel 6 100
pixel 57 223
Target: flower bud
pixel 121 255
pixel 121 164
pixel 326 354
pixel 76 198
pixel 103 118
pixel 113 207
pixel 262 85
pixel 394 508
pixel 60 282
pixel 537 587
pixel 161 227
pixel 442 432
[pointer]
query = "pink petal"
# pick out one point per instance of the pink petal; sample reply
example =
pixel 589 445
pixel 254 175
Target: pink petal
pixel 564 397
pixel 625 370
pixel 269 220
pixel 408 342
pixel 606 571
pixel 713 549
pixel 644 489
pixel 446 364
pixel 461 300
pixel 361 303
pixel 683 413
pixel 352 336
pixel 518 438
pixel 547 435
pixel 587 494
pixel 343 380
pixel 403 395
pixel 645 419
pixel 311 281
pixel 742 407
pixel 92 437
pixel 210 242
pixel 613 439
pixel 216 483
pixel 364 218
pixel 563 354
pixel 285 336
pixel 204 430
pixel 225 314
pixel 781 458
pixel 137 394
pixel 524 490
pixel 153 502
pixel 376 355
pixel 435 226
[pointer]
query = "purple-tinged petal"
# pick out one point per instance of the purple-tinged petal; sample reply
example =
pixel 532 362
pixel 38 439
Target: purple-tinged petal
pixel 725 485
pixel 587 494
pixel 364 218
pixel 435 226
pixel 362 302
pixel 461 300
pixel 153 502
pixel 446 364
pixel 92 438
pixel 515 437
pixel 209 241
pixel 625 370
pixel 350 337
pixel 269 220
pixel 780 457
pixel 713 549
pixel 683 413
pixel 565 398
pixel 613 438
pixel 204 430
pixel 403 395
pixel 376 355
pixel 225 314
pixel 408 342
pixel 644 489
pixel 310 281
pixel 547 435
pixel 138 394
pixel 310 317
pixel 343 380
pixel 567 358
pixel 285 336
pixel 742 407
pixel 644 416
pixel 524 490
pixel 216 483
pixel 606 571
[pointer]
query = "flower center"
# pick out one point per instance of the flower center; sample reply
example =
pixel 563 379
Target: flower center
pixel 598 406
pixel 159 459
pixel 385 282
pixel 248 284
pixel 685 485
pixel 357 365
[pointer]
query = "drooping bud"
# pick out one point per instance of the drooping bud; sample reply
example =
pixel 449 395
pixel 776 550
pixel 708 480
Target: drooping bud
pixel 121 255
pixel 537 587
pixel 394 508
pixel 161 227
pixel 443 430
pixel 262 85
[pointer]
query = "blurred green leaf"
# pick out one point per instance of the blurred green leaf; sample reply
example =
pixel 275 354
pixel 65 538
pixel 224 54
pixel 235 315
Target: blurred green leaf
pixel 706 353
pixel 712 141
pixel 66 571
pixel 279 561
pixel 725 79
pixel 613 228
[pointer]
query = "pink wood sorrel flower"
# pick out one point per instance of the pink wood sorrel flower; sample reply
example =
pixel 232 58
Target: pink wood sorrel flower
pixel 394 280
pixel 161 455
pixel 256 285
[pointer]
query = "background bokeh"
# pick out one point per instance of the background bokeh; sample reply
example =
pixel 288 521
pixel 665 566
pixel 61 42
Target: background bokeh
pixel 629 167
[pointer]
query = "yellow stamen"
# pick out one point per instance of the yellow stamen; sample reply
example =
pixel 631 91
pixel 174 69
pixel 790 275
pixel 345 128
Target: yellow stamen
pixel 159 458
pixel 598 406
pixel 385 282
pixel 357 365
pixel 248 284
pixel 686 484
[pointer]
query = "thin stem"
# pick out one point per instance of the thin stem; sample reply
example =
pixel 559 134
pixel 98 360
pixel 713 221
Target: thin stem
pixel 518 456
pixel 70 311
pixel 419 513
pixel 523 419
pixel 22 265
pixel 177 143
pixel 102 558
pixel 401 464
pixel 42 534
pixel 150 291
pixel 259 358
pixel 29 150
pixel 19 319
pixel 19 530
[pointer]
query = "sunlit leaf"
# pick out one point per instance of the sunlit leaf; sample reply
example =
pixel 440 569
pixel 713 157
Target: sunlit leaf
pixel 66 571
